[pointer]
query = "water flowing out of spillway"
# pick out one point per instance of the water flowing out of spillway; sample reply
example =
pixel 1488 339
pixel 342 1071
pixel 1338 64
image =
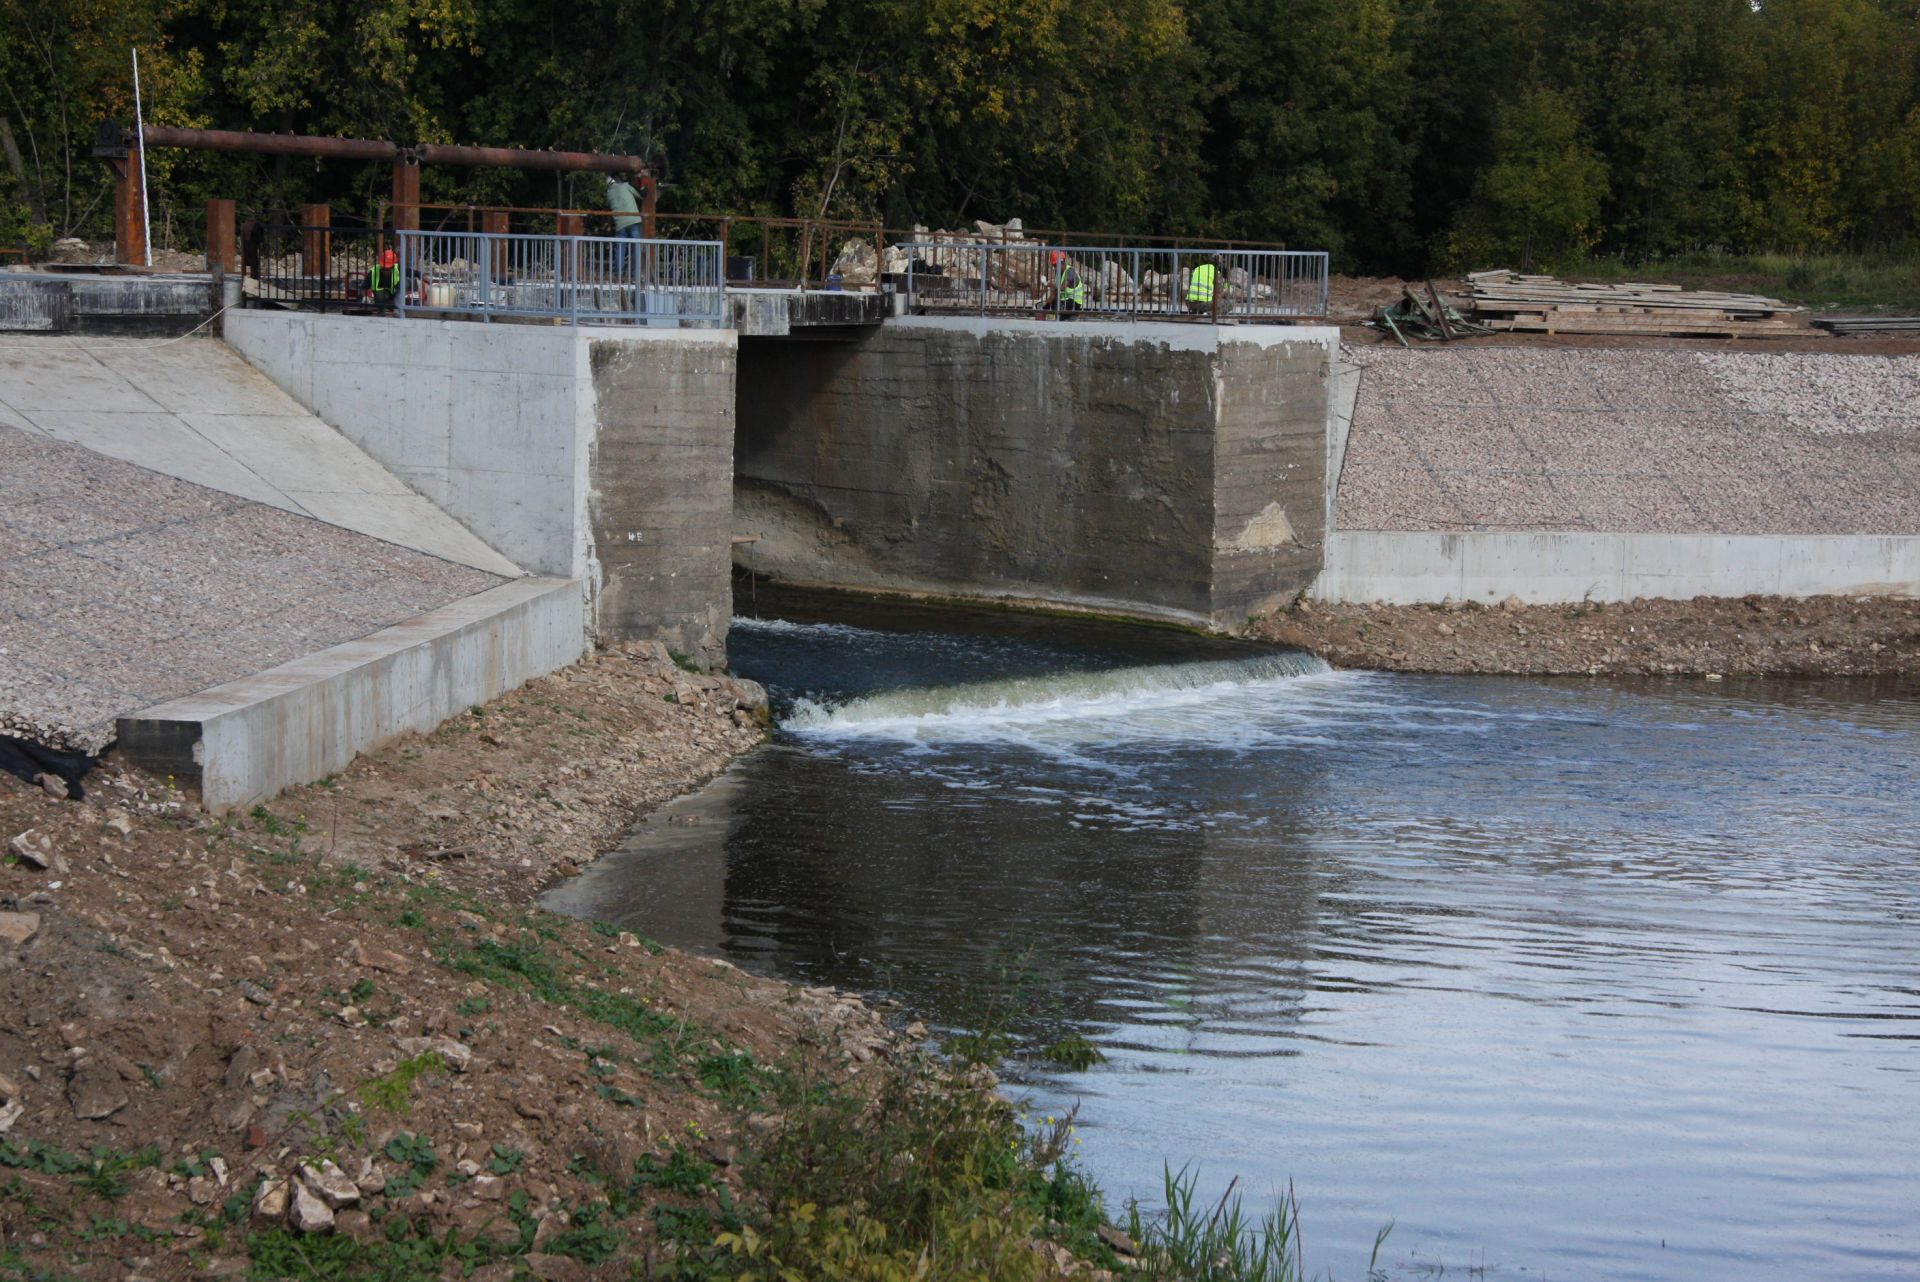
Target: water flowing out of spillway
pixel 1568 979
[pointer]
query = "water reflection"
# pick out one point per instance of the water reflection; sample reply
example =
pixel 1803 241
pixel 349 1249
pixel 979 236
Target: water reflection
pixel 1607 981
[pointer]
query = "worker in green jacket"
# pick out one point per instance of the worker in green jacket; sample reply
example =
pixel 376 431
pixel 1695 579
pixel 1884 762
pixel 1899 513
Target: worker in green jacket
pixel 1200 285
pixel 624 200
pixel 1069 293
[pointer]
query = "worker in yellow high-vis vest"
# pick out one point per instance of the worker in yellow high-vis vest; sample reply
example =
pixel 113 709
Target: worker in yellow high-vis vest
pixel 1069 292
pixel 1200 285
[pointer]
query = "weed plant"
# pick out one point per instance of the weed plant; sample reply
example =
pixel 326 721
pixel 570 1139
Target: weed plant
pixel 919 1182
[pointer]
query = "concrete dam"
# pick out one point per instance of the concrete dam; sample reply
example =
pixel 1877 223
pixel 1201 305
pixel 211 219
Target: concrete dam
pixel 560 486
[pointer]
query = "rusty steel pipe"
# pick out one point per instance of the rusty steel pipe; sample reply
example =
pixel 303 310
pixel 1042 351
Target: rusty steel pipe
pixel 270 144
pixel 440 153
pixel 429 153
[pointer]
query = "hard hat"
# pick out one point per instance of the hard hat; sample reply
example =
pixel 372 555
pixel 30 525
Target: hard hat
pixel 389 259
pixel 1056 257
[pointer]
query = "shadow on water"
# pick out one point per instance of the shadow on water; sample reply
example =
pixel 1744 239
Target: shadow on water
pixel 1596 979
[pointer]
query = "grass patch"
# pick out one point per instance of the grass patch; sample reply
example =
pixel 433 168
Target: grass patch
pixel 403 1256
pixel 394 1091
pixel 1863 282
pixel 105 1172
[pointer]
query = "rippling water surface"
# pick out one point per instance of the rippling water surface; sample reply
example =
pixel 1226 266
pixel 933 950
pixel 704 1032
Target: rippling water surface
pixel 1572 980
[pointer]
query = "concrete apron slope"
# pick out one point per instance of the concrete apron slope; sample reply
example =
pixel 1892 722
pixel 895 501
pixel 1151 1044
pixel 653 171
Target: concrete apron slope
pixel 195 410
pixel 1570 474
pixel 245 740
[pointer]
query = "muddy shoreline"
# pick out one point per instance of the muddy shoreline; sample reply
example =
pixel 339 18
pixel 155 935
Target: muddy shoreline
pixel 338 1019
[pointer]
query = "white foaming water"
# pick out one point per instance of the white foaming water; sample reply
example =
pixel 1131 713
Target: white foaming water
pixel 1181 701
pixel 786 627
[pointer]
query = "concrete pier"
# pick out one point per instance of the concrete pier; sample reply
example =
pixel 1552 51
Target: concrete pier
pixel 595 453
pixel 1161 470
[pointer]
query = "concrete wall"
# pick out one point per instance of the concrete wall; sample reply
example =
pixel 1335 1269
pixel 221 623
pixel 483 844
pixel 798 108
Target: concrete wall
pixel 660 503
pixel 81 303
pixel 597 453
pixel 1410 567
pixel 1567 474
pixel 246 740
pixel 1160 469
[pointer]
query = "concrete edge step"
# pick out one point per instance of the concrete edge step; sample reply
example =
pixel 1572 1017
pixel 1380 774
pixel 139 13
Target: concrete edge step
pixel 242 741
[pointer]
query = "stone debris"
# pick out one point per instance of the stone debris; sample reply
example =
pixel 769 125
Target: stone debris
pixel 33 848
pixel 329 1183
pixel 96 1091
pixel 308 1212
pixel 457 1055
pixel 380 959
pixel 270 1202
pixel 18 928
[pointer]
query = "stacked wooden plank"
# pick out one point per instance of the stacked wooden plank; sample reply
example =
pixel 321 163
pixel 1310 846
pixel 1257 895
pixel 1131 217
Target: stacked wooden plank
pixel 1843 325
pixel 1510 301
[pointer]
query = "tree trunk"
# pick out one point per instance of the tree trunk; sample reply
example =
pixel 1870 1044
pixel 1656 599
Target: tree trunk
pixel 17 163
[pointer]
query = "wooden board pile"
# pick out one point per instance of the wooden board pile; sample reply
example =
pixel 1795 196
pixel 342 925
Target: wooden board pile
pixel 1844 325
pixel 1507 300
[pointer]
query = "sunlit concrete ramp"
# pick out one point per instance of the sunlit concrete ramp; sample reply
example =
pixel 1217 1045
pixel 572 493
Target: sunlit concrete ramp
pixel 195 410
pixel 235 645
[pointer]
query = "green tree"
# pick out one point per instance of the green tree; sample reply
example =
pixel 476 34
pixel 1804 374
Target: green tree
pixel 1657 84
pixel 1306 117
pixel 1539 202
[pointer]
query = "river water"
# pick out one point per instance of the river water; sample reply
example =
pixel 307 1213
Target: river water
pixel 1566 979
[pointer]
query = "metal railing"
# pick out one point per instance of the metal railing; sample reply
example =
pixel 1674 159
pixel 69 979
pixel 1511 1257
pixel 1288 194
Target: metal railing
pixel 1130 282
pixel 592 280
pixel 322 268
pixel 759 249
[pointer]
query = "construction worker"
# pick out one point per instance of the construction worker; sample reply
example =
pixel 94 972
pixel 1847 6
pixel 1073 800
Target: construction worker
pixel 1200 287
pixel 1069 293
pixel 383 282
pixel 624 201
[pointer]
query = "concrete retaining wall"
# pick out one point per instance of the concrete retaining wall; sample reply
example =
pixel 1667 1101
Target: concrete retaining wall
pixel 245 740
pixel 598 453
pixel 1568 474
pixel 81 303
pixel 1158 469
pixel 1400 567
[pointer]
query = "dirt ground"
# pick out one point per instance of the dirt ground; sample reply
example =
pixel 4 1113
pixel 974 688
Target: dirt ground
pixel 191 1007
pixel 1755 636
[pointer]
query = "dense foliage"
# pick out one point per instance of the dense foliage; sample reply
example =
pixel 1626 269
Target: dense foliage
pixel 1399 133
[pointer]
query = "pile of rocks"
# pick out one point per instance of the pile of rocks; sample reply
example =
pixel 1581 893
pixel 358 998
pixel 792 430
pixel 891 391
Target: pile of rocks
pixel 1027 273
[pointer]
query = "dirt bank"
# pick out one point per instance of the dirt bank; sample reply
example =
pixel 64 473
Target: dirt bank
pixel 1821 636
pixel 331 1038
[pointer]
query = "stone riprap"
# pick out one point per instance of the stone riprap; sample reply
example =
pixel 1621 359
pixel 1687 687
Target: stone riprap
pixel 121 587
pixel 1632 441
